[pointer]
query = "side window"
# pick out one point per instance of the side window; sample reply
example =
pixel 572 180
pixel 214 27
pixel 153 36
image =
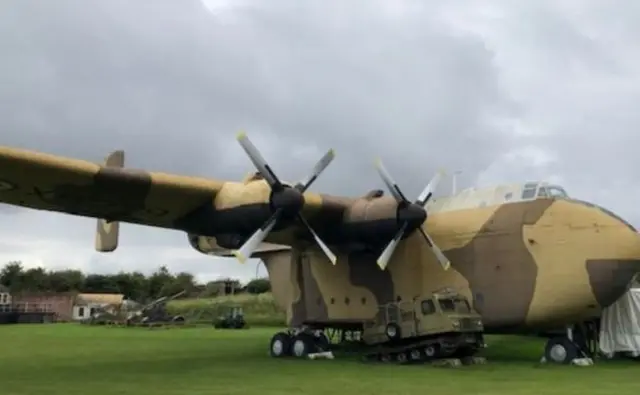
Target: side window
pixel 447 305
pixel 528 194
pixel 81 312
pixel 428 307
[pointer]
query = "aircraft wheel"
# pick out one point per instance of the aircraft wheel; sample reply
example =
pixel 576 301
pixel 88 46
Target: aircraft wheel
pixel 280 345
pixel 560 350
pixel 302 345
pixel 321 341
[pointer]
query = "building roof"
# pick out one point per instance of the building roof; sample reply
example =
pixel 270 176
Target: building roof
pixel 84 299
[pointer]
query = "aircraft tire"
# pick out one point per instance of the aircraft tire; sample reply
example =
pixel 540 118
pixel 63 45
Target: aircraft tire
pixel 302 344
pixel 322 342
pixel 280 345
pixel 560 350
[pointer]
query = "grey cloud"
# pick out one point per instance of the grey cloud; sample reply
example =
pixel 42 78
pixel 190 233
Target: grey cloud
pixel 171 84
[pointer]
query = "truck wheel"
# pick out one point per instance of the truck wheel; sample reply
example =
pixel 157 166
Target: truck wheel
pixel 401 357
pixel 393 331
pixel 431 351
pixel 415 355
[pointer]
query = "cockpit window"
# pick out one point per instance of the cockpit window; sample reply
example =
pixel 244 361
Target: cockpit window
pixel 528 193
pixel 556 191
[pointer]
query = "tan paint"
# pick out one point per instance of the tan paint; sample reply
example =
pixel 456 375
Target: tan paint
pixel 107 233
pixel 334 284
pixel 572 242
pixel 566 237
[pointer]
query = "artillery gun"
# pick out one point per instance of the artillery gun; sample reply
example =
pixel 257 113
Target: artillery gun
pixel 156 313
pixel 431 328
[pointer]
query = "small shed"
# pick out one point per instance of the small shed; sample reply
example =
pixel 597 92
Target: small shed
pixel 85 305
pixel 5 298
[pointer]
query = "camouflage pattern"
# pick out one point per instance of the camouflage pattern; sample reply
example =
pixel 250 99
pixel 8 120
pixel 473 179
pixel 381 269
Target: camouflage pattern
pixel 530 264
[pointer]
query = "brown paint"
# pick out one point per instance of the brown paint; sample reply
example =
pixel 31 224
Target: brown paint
pixel 365 273
pixel 610 278
pixel 311 306
pixel 498 266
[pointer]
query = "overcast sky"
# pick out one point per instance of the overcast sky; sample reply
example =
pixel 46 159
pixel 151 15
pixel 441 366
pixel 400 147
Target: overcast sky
pixel 502 90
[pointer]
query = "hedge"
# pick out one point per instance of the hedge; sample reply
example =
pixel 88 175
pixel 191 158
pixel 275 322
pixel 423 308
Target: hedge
pixel 259 310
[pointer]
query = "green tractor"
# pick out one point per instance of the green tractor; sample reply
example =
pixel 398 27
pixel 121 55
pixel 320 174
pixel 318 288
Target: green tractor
pixel 232 317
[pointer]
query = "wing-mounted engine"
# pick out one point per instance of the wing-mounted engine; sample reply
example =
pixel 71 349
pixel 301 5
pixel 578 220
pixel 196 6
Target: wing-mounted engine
pixel 410 215
pixel 214 246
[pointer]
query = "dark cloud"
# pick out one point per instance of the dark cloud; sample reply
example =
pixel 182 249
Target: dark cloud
pixel 171 84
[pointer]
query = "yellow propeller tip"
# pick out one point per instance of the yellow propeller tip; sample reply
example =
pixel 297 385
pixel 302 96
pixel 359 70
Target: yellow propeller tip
pixel 447 265
pixel 241 134
pixel 381 265
pixel 239 256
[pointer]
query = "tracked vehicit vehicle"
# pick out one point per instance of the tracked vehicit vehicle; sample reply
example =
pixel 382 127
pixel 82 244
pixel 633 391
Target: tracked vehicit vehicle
pixel 437 327
pixel 441 327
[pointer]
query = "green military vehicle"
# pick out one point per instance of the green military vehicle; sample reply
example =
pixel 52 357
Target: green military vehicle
pixel 437 326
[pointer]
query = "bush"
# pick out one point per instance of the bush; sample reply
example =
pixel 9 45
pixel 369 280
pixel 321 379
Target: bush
pixel 259 310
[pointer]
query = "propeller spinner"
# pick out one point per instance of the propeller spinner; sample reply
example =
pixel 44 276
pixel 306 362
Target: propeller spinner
pixel 286 202
pixel 411 214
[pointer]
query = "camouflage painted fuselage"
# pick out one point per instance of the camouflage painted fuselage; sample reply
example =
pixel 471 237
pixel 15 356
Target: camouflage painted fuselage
pixel 534 264
pixel 527 264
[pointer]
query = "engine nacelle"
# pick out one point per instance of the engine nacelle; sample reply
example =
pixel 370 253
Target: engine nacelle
pixel 207 245
pixel 222 245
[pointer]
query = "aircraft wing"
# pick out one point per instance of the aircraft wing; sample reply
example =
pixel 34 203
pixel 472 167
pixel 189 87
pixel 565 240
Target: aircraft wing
pixel 53 183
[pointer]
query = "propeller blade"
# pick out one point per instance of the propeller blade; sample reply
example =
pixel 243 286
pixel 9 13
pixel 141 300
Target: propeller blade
pixel 322 164
pixel 426 194
pixel 383 260
pixel 444 261
pixel 258 161
pixel 391 184
pixel 318 240
pixel 254 241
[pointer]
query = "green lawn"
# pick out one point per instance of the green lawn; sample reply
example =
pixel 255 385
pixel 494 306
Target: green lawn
pixel 69 359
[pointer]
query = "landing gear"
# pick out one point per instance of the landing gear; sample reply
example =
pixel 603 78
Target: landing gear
pixel 560 350
pixel 280 345
pixel 298 343
pixel 571 348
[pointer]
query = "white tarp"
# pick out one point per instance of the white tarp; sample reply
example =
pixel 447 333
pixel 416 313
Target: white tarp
pixel 620 325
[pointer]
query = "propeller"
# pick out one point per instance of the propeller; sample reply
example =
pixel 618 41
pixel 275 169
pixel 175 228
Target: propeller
pixel 285 201
pixel 411 215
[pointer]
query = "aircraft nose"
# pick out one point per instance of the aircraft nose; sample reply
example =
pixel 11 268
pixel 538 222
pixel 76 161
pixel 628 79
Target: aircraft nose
pixel 616 257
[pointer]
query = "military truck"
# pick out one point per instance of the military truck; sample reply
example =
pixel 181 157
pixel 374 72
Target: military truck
pixel 433 327
pixel 232 318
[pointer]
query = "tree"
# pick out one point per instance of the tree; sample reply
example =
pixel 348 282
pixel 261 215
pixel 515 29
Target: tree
pixel 259 286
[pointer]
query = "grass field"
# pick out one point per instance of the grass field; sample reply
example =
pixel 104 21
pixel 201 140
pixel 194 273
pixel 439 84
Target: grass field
pixel 67 359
